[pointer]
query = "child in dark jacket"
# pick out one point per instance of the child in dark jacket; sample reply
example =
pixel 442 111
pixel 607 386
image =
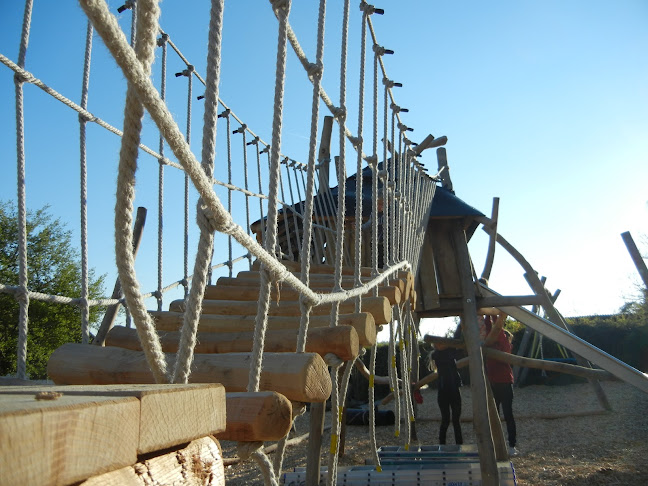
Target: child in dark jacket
pixel 449 396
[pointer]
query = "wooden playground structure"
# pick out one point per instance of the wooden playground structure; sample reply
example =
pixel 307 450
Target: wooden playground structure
pixel 239 358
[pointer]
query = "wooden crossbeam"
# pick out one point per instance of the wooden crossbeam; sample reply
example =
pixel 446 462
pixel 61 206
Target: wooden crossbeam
pixel 340 340
pixel 301 377
pixel 224 291
pixel 377 306
pixel 363 323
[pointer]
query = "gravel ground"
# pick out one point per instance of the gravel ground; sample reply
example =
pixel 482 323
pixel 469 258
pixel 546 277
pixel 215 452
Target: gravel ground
pixel 557 446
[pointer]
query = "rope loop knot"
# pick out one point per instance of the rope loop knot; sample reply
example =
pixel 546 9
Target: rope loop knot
pixel 315 70
pixel 22 295
pixel 339 113
pixel 279 5
pixel 332 360
pixel 210 223
pixel 372 160
pixel 367 8
pixel 356 141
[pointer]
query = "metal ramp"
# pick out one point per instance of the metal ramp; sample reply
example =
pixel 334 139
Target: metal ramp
pixel 433 465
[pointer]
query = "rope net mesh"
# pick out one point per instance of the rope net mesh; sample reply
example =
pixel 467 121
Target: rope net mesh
pixel 297 216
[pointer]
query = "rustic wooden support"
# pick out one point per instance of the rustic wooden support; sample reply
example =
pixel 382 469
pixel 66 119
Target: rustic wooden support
pixel 314 453
pixel 519 375
pixel 501 450
pixel 636 257
pixel 300 377
pixel 340 340
pixel 257 417
pixel 444 168
pixel 285 293
pixel 492 243
pixel 111 312
pixel 362 322
pixel 554 316
pixel 200 463
pixel 483 433
pixel 377 306
pixel 452 306
pixel 159 404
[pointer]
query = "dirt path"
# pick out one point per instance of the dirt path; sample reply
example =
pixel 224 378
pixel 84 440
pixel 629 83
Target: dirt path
pixel 609 448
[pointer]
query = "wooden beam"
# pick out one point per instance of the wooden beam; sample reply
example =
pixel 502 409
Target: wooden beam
pixel 377 306
pixel 200 463
pixel 257 417
pixel 453 306
pixel 66 440
pixel 340 340
pixel 363 323
pixel 159 404
pixel 111 312
pixel 492 243
pixel 636 257
pixel 483 433
pixel 283 292
pixel 301 377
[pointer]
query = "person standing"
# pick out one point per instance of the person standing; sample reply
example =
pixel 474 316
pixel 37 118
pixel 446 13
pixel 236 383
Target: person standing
pixel 448 395
pixel 500 374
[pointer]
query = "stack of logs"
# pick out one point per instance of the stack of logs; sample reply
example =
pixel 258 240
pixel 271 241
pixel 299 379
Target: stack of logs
pixel 225 339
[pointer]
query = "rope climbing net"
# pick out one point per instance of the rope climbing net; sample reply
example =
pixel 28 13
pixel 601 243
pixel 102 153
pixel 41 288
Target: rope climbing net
pixel 300 217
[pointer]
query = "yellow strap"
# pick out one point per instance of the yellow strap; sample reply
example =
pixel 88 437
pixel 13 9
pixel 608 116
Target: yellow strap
pixel 334 442
pixel 371 381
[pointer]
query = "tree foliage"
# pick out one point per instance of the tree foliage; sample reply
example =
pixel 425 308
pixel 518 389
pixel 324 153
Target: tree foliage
pixel 54 268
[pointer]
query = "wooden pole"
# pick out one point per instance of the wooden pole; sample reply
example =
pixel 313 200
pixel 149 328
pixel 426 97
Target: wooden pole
pixel 111 312
pixel 490 256
pixel 314 456
pixel 481 424
pixel 636 257
pixel 519 375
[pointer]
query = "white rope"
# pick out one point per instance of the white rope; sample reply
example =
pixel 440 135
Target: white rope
pixel 162 42
pixel 23 293
pixel 193 306
pixel 85 310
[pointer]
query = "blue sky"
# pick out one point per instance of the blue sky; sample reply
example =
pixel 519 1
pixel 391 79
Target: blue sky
pixel 544 103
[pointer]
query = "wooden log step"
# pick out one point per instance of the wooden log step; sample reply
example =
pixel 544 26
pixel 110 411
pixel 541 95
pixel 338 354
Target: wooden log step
pixel 377 306
pixel 200 463
pixel 341 341
pixel 317 280
pixel 257 417
pixel 300 377
pixel 223 291
pixel 66 440
pixel 187 411
pixel 363 323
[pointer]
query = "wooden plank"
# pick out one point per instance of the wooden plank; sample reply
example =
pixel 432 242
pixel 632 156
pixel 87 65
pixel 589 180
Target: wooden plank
pixel 377 306
pixel 445 262
pixel 637 259
pixel 301 377
pixel 283 292
pixel 198 464
pixel 257 417
pixel 169 414
pixel 340 340
pixel 363 323
pixel 62 441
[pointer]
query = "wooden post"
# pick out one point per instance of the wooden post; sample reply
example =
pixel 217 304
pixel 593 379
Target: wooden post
pixel 519 375
pixel 636 257
pixel 490 256
pixel 442 160
pixel 315 443
pixel 111 312
pixel 554 316
pixel 486 448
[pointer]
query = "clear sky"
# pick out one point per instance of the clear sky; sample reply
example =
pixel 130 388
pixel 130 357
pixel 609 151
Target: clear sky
pixel 544 103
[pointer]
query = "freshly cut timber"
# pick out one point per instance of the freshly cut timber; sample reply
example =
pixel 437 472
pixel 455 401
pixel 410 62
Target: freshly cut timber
pixel 159 404
pixel 224 291
pixel 301 377
pixel 363 323
pixel 340 340
pixel 257 417
pixel 200 463
pixel 378 306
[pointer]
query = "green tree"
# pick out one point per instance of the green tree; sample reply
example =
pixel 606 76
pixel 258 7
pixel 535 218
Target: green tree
pixel 54 268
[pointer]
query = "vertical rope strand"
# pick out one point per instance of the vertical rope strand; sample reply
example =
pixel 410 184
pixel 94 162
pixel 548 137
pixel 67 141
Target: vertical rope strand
pixel 23 276
pixel 162 42
pixel 83 306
